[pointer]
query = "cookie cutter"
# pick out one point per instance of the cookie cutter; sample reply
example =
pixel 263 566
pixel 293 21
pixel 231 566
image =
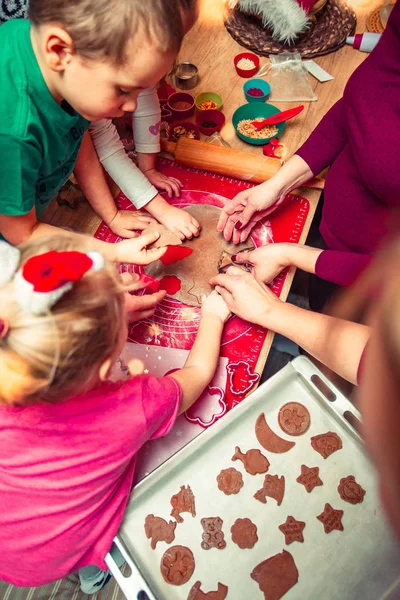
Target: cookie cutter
pixel 226 261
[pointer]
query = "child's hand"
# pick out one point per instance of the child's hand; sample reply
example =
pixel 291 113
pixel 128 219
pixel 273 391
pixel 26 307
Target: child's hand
pixel 135 251
pixel 171 185
pixel 126 222
pixel 267 261
pixel 138 308
pixel 215 305
pixel 179 222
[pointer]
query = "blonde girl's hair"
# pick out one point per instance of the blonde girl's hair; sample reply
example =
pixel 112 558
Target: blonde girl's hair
pixel 102 29
pixel 50 357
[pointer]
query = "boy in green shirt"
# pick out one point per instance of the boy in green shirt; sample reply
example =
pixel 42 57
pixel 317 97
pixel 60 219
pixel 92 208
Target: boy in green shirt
pixel 75 62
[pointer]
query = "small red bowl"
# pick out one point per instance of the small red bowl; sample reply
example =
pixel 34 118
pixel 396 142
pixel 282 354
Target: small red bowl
pixel 216 116
pixel 188 126
pixel 176 98
pixel 247 72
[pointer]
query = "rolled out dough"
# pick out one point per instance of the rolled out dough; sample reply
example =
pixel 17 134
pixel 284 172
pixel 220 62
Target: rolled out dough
pixel 196 270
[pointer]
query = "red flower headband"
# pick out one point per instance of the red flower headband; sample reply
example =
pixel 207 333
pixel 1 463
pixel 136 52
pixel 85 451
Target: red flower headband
pixel 44 278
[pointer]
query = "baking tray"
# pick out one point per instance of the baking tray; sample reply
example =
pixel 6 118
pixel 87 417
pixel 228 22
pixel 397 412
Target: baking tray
pixel 361 562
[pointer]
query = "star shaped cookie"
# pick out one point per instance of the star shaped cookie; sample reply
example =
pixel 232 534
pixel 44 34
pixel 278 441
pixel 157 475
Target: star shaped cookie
pixel 331 519
pixel 293 530
pixel 309 477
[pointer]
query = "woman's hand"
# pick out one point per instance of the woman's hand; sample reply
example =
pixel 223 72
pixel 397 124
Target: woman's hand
pixel 135 251
pixel 242 213
pixel 267 261
pixel 215 305
pixel 171 185
pixel 247 297
pixel 126 222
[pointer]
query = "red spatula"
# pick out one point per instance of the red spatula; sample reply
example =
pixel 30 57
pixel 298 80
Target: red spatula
pixel 278 118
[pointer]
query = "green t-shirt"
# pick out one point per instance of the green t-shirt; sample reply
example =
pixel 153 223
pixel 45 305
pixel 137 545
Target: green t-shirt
pixel 39 139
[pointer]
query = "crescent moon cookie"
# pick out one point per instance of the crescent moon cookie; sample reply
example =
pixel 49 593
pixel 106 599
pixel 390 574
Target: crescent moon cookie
pixel 326 443
pixel 269 439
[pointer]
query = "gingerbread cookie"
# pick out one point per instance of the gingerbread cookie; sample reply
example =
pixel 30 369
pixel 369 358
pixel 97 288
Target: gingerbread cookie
pixel 294 418
pixel 292 530
pixel 326 443
pixel 254 462
pixel 274 487
pixel 309 477
pixel 268 438
pixel 181 502
pixel 331 519
pixel 230 481
pixel 244 533
pixel 213 536
pixel 159 530
pixel 177 565
pixel 351 491
pixel 276 575
pixel 197 594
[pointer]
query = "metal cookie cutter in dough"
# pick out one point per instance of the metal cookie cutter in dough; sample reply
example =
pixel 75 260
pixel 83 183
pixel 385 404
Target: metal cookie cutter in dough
pixel 226 261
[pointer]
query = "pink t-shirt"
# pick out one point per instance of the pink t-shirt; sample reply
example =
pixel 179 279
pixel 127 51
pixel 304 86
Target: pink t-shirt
pixel 66 473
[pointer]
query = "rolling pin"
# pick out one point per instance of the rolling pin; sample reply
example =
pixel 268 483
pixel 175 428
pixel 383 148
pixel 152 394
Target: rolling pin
pixel 225 161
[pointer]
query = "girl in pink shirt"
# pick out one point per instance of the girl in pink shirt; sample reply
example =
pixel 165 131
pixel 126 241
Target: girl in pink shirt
pixel 69 437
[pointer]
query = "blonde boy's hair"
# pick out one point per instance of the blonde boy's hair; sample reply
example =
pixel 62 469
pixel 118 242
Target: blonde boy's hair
pixel 51 357
pixel 101 29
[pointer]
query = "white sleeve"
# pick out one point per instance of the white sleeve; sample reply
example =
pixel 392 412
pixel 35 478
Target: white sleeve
pixel 122 170
pixel 146 122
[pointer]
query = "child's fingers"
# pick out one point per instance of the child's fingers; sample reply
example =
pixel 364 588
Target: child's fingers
pixel 175 186
pixel 129 278
pixel 168 188
pixel 187 232
pixel 129 234
pixel 147 239
pixel 153 255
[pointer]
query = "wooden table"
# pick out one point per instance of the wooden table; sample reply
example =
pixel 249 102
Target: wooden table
pixel 211 48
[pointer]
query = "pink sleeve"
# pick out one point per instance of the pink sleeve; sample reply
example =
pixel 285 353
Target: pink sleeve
pixel 327 140
pixel 340 267
pixel 161 399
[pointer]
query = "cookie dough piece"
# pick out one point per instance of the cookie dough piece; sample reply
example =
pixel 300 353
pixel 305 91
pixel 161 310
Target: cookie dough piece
pixel 351 491
pixel 253 461
pixel 181 502
pixel 177 565
pixel 326 443
pixel 274 487
pixel 276 575
pixel 244 533
pixel 268 438
pixel 197 594
pixel 213 536
pixel 292 530
pixel 159 530
pixel 167 238
pixel 294 418
pixel 331 519
pixel 309 477
pixel 230 481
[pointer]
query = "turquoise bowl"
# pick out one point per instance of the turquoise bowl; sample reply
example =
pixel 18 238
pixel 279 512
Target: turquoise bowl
pixel 255 110
pixel 261 85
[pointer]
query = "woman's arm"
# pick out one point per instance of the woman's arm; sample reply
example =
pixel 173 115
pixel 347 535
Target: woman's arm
pixel 336 343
